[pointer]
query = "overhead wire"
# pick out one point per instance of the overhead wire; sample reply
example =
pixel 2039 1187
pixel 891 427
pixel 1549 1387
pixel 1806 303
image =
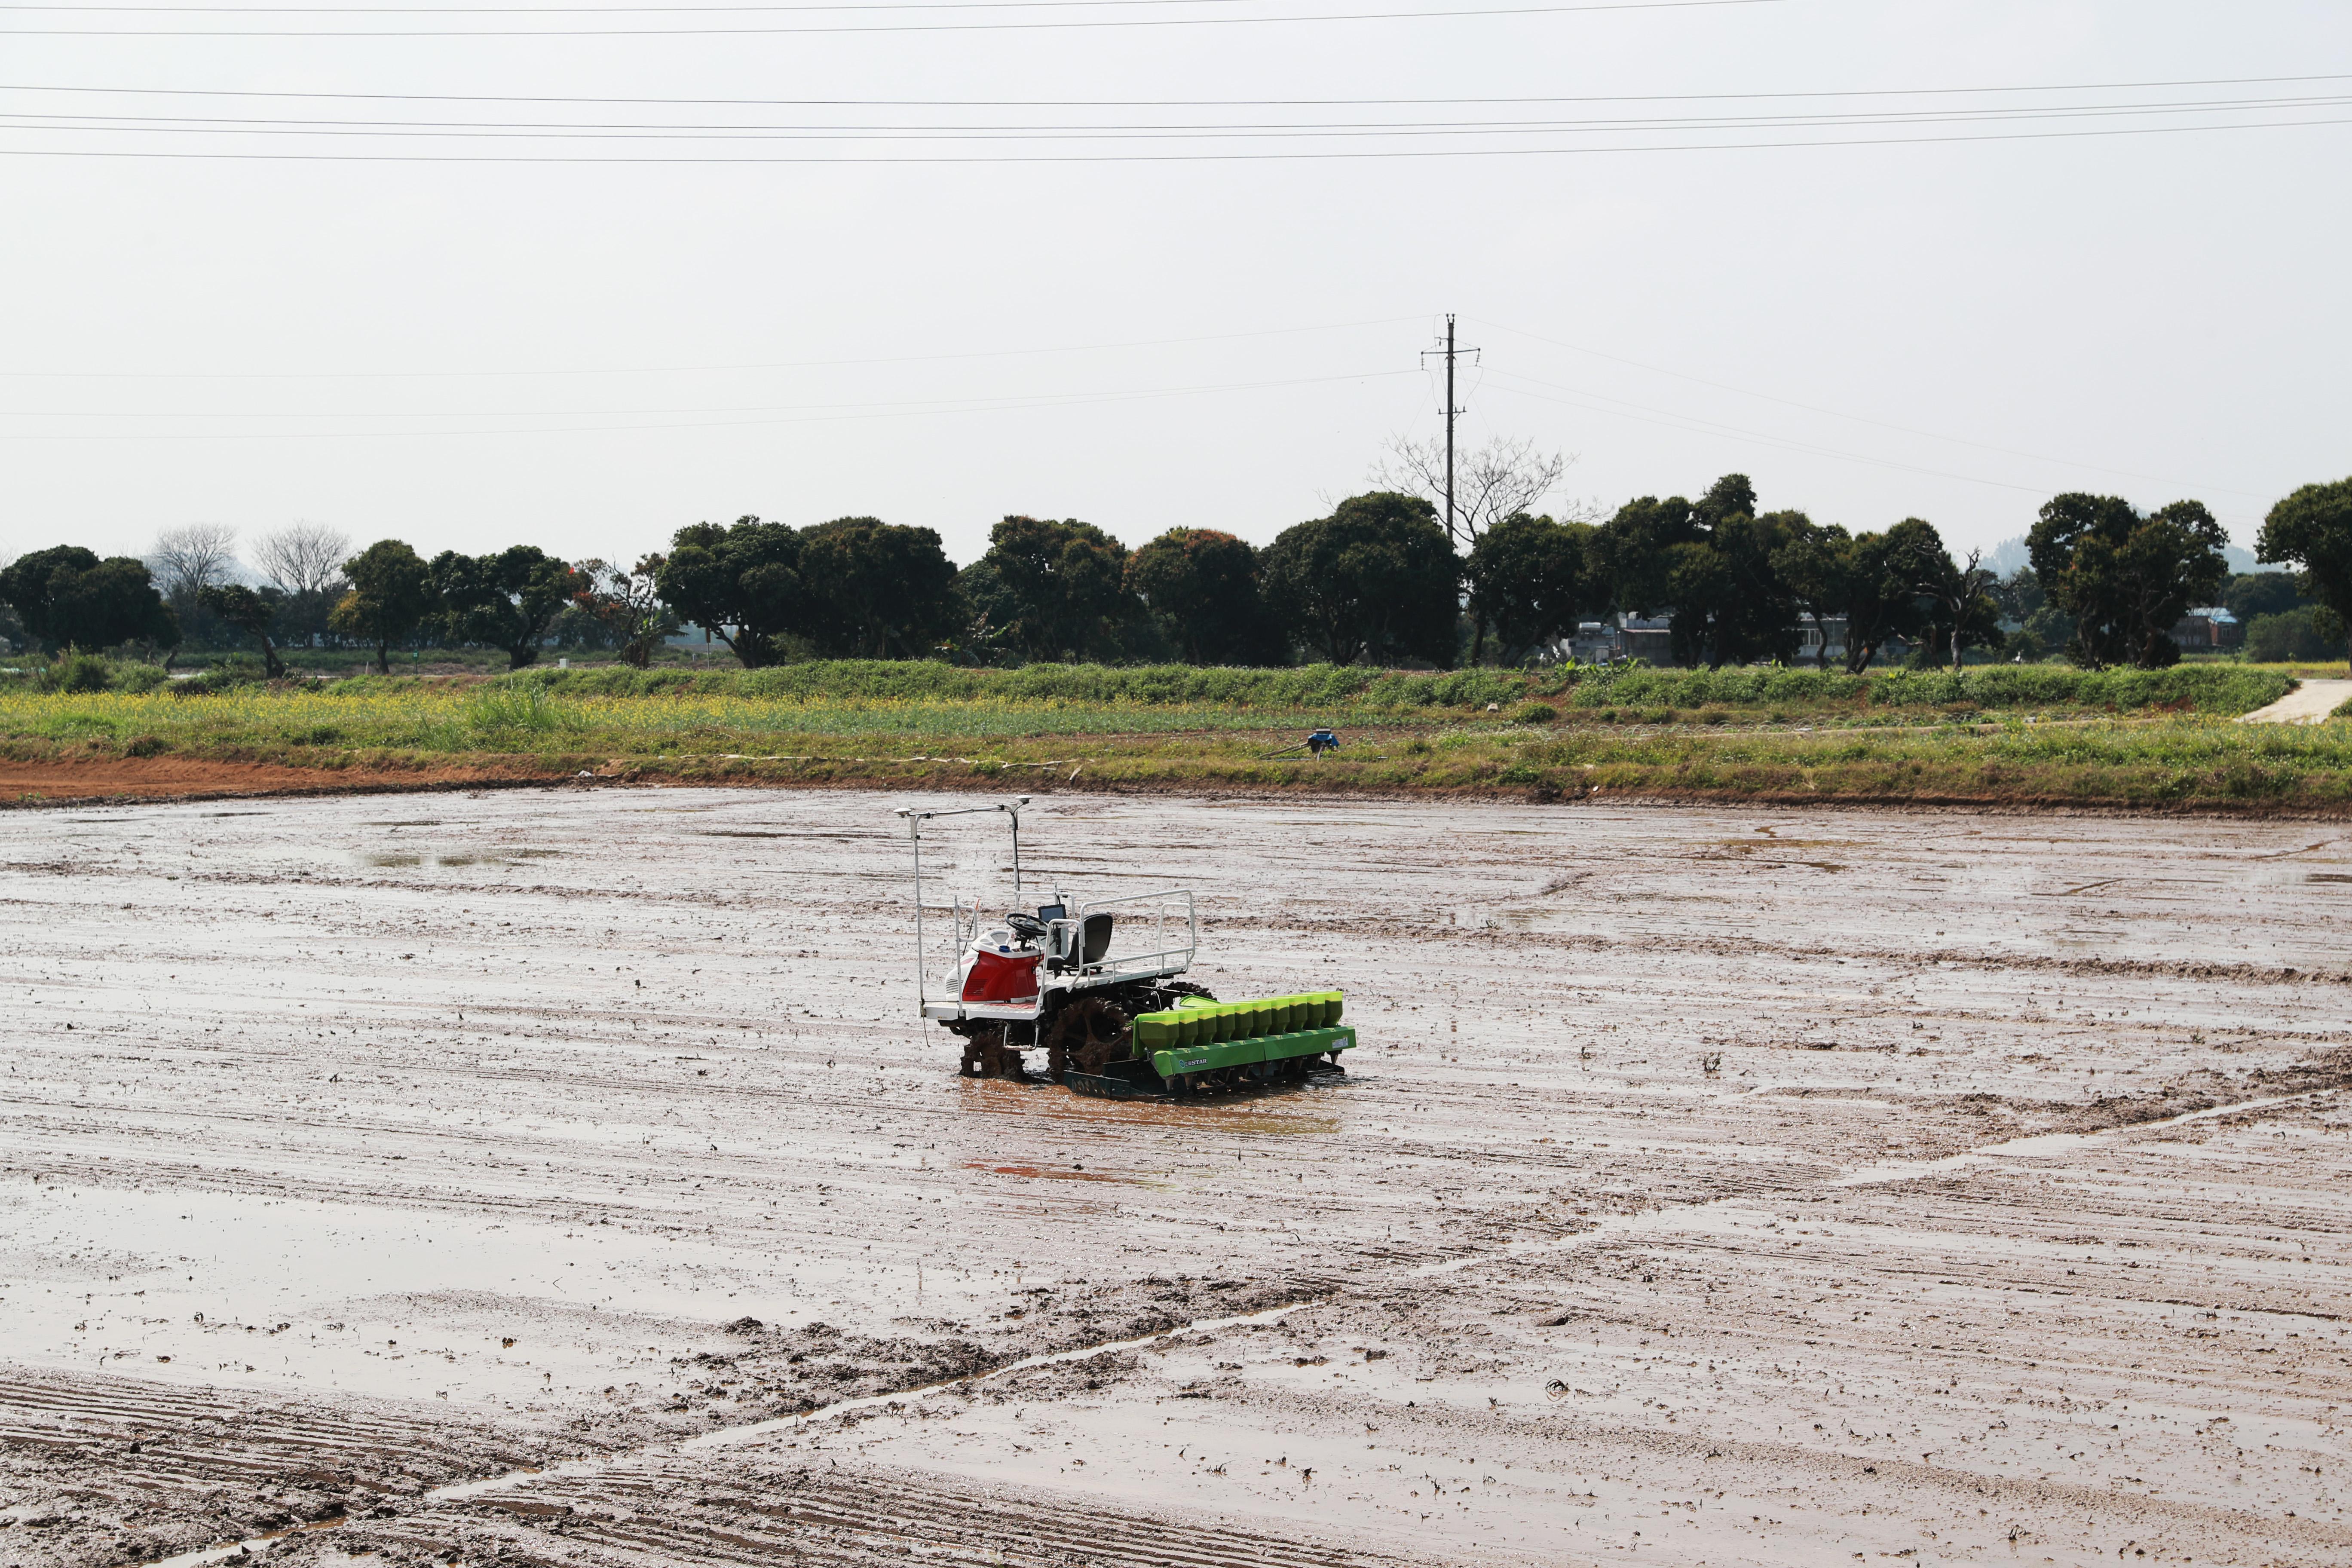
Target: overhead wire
pixel 697 369
pixel 718 160
pixel 790 413
pixel 1072 24
pixel 662 10
pixel 1695 425
pixel 1177 102
pixel 1875 118
pixel 515 130
pixel 1590 403
pixel 1856 418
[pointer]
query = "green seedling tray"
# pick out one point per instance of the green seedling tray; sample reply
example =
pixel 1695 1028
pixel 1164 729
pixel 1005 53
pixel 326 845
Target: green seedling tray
pixel 1243 1053
pixel 1196 1021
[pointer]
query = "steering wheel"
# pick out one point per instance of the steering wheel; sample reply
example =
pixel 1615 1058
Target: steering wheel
pixel 1029 928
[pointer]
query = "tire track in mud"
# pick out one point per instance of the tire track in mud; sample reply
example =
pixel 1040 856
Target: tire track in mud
pixel 176 1467
pixel 1881 1173
pixel 882 1520
pixel 849 1518
pixel 580 1472
pixel 1763 948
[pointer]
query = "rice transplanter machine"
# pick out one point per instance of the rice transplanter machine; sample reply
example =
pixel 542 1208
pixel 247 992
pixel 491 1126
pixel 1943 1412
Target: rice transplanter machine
pixel 1095 985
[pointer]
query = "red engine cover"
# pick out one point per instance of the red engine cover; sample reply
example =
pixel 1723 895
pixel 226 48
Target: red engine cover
pixel 1001 977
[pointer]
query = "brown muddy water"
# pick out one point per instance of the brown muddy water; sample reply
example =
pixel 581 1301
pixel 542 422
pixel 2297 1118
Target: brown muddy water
pixel 495 1179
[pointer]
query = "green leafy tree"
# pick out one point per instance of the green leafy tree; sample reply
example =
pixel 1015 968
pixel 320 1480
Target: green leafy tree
pixel 388 598
pixel 1815 564
pixel 1203 586
pixel 504 601
pixel 2251 594
pixel 985 611
pixel 742 582
pixel 1058 590
pixel 2040 626
pixel 1714 562
pixel 1530 581
pixel 2018 594
pixel 254 611
pixel 1377 581
pixel 877 590
pixel 1883 599
pixel 2127 579
pixel 1633 551
pixel 1731 605
pixel 67 597
pixel 2313 529
pixel 2303 635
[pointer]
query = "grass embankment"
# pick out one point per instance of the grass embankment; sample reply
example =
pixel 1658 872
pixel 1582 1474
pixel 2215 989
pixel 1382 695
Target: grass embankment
pixel 2041 734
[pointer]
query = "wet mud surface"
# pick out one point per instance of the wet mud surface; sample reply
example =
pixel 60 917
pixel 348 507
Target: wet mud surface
pixel 1710 1186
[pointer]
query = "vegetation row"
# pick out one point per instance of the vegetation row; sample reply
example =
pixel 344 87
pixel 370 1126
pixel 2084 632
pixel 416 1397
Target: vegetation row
pixel 1380 582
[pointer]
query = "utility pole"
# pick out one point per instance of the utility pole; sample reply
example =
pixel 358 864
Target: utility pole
pixel 1452 413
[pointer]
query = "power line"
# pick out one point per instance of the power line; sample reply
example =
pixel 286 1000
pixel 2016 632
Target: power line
pixel 1170 102
pixel 797 414
pixel 617 10
pixel 841 27
pixel 573 129
pixel 1115 157
pixel 1694 425
pixel 1856 418
pixel 692 369
pixel 1698 427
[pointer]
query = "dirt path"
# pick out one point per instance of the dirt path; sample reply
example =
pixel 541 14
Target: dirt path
pixel 355 1147
pixel 97 780
pixel 2308 703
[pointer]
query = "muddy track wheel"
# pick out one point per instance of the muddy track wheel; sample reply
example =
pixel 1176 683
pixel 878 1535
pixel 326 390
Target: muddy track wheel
pixel 985 1055
pixel 1087 1035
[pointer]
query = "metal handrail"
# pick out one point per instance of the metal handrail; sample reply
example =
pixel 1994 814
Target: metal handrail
pixel 1162 916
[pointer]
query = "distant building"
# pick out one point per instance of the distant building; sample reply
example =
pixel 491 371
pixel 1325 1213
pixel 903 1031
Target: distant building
pixel 1592 642
pixel 2209 629
pixel 1809 639
pixel 1649 638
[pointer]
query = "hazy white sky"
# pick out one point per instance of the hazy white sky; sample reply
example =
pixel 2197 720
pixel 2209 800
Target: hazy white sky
pixel 587 355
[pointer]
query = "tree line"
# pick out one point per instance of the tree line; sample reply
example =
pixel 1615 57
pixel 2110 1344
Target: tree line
pixel 1377 582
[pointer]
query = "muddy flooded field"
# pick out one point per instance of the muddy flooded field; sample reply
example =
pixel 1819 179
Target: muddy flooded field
pixel 558 1177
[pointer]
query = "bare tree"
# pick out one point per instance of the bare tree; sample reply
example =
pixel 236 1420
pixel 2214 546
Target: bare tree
pixel 1502 479
pixel 304 558
pixel 1956 590
pixel 628 601
pixel 194 557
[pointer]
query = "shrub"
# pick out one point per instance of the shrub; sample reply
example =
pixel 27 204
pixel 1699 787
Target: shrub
pixel 80 672
pixel 141 678
pixel 1534 713
pixel 236 669
pixel 511 706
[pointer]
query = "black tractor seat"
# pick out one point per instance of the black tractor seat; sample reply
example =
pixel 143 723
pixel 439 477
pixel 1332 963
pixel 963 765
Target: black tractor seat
pixel 1093 940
